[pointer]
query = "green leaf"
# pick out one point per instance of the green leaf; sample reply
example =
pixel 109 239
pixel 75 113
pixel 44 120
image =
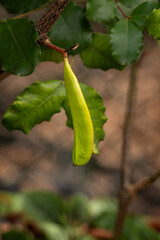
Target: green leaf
pixel 37 103
pixel 140 13
pixel 40 206
pixel 50 55
pixel 41 100
pixel 19 6
pixel 136 228
pixel 101 10
pixel 97 112
pixel 71 27
pixel 135 3
pixel 19 52
pixel 153 23
pixel 98 53
pixel 126 41
pixel 16 235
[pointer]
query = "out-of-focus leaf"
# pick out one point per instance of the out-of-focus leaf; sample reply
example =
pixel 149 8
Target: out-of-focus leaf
pixel 97 112
pixel 71 27
pixel 136 228
pixel 140 13
pixel 98 54
pixel 37 103
pixel 98 206
pixel 54 231
pixel 21 6
pixel 153 23
pixel 77 207
pixel 40 206
pixel 126 41
pixel 16 235
pixel 19 52
pixel 101 10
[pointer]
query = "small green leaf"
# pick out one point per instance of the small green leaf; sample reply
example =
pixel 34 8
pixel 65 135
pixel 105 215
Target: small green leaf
pixel 19 52
pixel 37 103
pixel 19 6
pixel 153 23
pixel 97 112
pixel 98 53
pixel 16 235
pixel 126 41
pixel 50 55
pixel 71 27
pixel 140 13
pixel 101 10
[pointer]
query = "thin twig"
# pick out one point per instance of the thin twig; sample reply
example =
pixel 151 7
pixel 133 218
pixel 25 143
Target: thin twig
pixel 136 187
pixel 63 51
pixel 30 12
pixel 121 10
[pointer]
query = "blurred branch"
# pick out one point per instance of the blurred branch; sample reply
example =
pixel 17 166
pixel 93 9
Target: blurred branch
pixel 124 196
pixel 138 186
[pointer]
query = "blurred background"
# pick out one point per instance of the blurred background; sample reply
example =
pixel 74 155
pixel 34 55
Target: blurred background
pixel 43 159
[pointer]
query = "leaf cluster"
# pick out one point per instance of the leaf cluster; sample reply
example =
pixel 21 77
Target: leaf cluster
pixel 31 218
pixel 119 45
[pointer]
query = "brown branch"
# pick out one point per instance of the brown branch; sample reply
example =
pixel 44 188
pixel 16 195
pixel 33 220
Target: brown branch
pixel 50 16
pixel 136 187
pixel 124 196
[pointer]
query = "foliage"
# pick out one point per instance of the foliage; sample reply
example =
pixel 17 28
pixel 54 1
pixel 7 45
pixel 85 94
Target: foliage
pixel 46 216
pixel 121 45
pixel 64 219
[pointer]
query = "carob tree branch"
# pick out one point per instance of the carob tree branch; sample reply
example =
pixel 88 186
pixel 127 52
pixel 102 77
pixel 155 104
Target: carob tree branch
pixel 50 16
pixel 45 23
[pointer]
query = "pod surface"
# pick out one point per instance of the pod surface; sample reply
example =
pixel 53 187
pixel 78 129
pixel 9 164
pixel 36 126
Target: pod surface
pixel 82 123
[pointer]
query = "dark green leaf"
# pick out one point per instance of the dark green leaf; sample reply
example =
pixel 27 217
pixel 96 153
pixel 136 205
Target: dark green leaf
pixel 126 41
pixel 15 235
pixel 136 228
pixel 71 28
pixel 153 23
pixel 19 6
pixel 98 53
pixel 140 13
pixel 37 103
pixel 97 112
pixel 40 206
pixel 101 10
pixel 19 52
pixel 135 3
pixel 50 55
